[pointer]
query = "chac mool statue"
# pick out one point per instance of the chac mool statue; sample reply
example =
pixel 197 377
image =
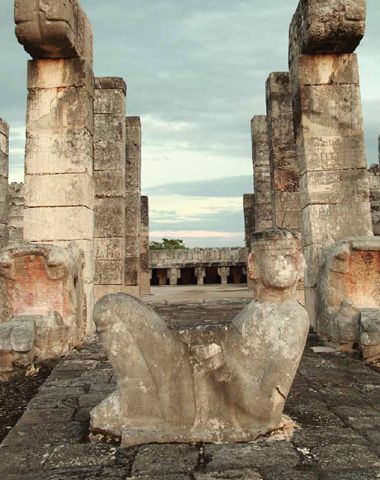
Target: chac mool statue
pixel 214 383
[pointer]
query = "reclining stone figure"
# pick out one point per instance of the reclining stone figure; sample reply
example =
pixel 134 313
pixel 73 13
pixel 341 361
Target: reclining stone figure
pixel 215 383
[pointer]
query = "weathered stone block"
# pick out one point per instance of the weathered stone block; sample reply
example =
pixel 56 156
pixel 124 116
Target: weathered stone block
pixel 109 272
pixel 53 29
pixel 109 183
pixel 73 72
pixel 329 26
pixel 59 190
pixel 132 244
pixel 132 271
pixel 109 127
pixel 60 151
pixel 109 214
pixel 331 110
pixel 327 69
pixel 370 334
pixel 329 223
pixel 331 152
pixel 111 83
pixel 110 102
pixel 56 108
pixel 54 224
pixel 109 248
pixel 337 186
pixel 109 155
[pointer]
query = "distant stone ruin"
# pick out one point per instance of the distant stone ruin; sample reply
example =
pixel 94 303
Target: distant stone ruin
pixel 199 266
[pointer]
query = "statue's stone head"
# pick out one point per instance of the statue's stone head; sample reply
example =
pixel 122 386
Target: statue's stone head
pixel 276 264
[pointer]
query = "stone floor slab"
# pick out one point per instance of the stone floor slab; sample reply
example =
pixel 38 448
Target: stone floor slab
pixel 165 459
pixel 251 455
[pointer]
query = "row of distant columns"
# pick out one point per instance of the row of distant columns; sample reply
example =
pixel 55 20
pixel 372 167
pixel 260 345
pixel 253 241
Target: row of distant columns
pixel 174 274
pixel 308 151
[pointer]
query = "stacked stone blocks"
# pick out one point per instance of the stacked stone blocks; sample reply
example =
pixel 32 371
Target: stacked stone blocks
pixel 59 196
pixel 133 202
pixel 262 179
pixel 282 152
pixel 144 248
pixel 16 212
pixel 4 161
pixel 328 126
pixel 109 175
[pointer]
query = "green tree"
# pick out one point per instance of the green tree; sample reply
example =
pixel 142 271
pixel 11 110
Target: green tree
pixel 168 244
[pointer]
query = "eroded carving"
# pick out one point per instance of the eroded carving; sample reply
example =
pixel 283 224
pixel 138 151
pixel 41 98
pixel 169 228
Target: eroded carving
pixel 217 383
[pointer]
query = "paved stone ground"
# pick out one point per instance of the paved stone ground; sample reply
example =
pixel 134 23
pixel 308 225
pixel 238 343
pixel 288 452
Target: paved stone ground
pixel 335 399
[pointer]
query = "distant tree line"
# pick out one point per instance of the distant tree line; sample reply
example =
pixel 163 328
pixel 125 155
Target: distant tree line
pixel 168 244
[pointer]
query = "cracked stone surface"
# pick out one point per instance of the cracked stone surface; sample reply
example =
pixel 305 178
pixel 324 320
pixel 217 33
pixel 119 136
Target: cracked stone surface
pixel 334 399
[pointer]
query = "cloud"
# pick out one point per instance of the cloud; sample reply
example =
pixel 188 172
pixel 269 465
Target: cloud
pixel 218 187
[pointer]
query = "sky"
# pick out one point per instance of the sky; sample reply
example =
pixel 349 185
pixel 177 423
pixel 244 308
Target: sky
pixel 195 74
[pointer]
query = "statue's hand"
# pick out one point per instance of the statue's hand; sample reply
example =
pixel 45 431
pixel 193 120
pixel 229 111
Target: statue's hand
pixel 208 356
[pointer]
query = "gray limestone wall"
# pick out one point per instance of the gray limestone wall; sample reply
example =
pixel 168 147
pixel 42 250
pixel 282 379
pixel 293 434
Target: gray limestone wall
pixel 282 152
pixel 261 173
pixel 109 179
pixel 16 212
pixel 4 168
pixel 133 202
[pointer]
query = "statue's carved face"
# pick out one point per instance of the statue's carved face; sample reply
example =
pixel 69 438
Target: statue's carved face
pixel 274 268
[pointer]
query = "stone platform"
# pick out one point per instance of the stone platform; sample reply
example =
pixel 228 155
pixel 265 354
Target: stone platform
pixel 335 400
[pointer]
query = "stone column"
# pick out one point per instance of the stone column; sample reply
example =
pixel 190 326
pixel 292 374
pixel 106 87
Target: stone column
pixel 173 275
pixel 145 272
pixel 133 202
pixel 224 273
pixel 282 152
pixel 200 273
pixel 109 175
pixel 261 177
pixel 162 275
pixel 4 167
pixel 16 213
pixel 374 195
pixel 249 217
pixel 329 128
pixel 59 193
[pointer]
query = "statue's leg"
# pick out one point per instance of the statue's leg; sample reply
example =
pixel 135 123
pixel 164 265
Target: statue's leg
pixel 153 371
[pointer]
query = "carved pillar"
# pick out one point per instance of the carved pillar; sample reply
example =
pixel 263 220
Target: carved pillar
pixel 59 187
pixel 4 167
pixel 109 174
pixel 133 202
pixel 145 272
pixel 261 177
pixel 282 152
pixel 173 275
pixel 328 125
pixel 224 273
pixel 200 273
